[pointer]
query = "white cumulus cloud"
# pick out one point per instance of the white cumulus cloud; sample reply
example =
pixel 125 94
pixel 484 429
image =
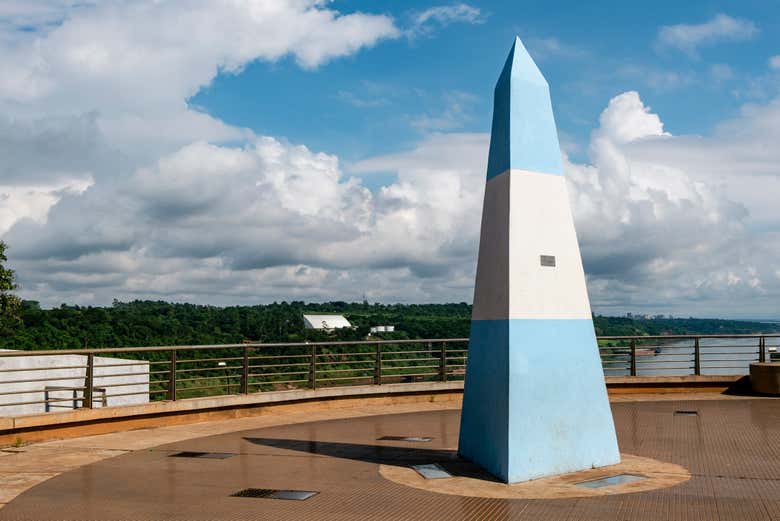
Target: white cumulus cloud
pixel 652 231
pixel 104 90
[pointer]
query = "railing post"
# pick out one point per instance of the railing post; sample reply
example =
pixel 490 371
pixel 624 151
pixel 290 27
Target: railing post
pixel 378 365
pixel 443 362
pixel 313 367
pixel 172 377
pixel 89 381
pixel 762 349
pixel 633 357
pixel 245 372
pixel 696 357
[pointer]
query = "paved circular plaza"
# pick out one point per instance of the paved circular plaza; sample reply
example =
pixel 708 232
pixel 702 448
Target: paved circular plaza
pixel 723 456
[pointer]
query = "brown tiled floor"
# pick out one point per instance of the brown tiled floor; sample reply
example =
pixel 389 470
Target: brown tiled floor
pixel 732 448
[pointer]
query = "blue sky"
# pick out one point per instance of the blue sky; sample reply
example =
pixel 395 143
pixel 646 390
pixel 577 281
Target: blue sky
pixel 244 151
pixel 371 103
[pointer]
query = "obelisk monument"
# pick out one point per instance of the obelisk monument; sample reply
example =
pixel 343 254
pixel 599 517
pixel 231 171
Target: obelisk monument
pixel 535 403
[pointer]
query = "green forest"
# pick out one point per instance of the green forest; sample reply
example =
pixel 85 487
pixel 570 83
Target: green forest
pixel 149 323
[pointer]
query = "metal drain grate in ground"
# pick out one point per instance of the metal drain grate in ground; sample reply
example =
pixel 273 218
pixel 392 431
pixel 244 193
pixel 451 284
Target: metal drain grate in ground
pixel 618 479
pixel 412 439
pixel 432 471
pixel 686 413
pixel 202 455
pixel 270 493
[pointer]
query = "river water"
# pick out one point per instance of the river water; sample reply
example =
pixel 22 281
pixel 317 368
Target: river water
pixel 719 356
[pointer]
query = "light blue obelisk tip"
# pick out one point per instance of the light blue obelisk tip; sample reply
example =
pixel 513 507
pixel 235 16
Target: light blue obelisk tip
pixel 534 401
pixel 523 136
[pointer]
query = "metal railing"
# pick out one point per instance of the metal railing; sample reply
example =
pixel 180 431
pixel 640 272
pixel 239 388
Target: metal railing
pixel 51 403
pixel 121 376
pixel 682 355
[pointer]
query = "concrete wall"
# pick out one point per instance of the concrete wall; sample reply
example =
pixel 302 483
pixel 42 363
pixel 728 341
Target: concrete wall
pixel 68 371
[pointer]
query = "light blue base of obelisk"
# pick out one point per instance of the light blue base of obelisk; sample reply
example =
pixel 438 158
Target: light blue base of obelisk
pixel 535 403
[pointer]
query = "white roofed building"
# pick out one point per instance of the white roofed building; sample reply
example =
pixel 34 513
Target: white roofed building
pixel 326 322
pixel 382 329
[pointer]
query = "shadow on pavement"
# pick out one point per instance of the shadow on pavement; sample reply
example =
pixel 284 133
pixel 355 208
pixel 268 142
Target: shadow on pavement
pixel 380 455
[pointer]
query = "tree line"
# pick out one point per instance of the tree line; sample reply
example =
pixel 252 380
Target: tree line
pixel 149 323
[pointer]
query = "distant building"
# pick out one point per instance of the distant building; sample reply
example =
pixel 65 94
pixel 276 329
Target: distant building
pixel 326 322
pixel 382 329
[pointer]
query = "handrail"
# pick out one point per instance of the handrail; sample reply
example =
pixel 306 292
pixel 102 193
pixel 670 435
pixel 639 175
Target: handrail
pixel 103 350
pixel 394 361
pixel 682 337
pixel 256 345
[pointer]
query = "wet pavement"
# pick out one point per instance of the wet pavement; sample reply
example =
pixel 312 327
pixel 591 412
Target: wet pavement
pixel 730 447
